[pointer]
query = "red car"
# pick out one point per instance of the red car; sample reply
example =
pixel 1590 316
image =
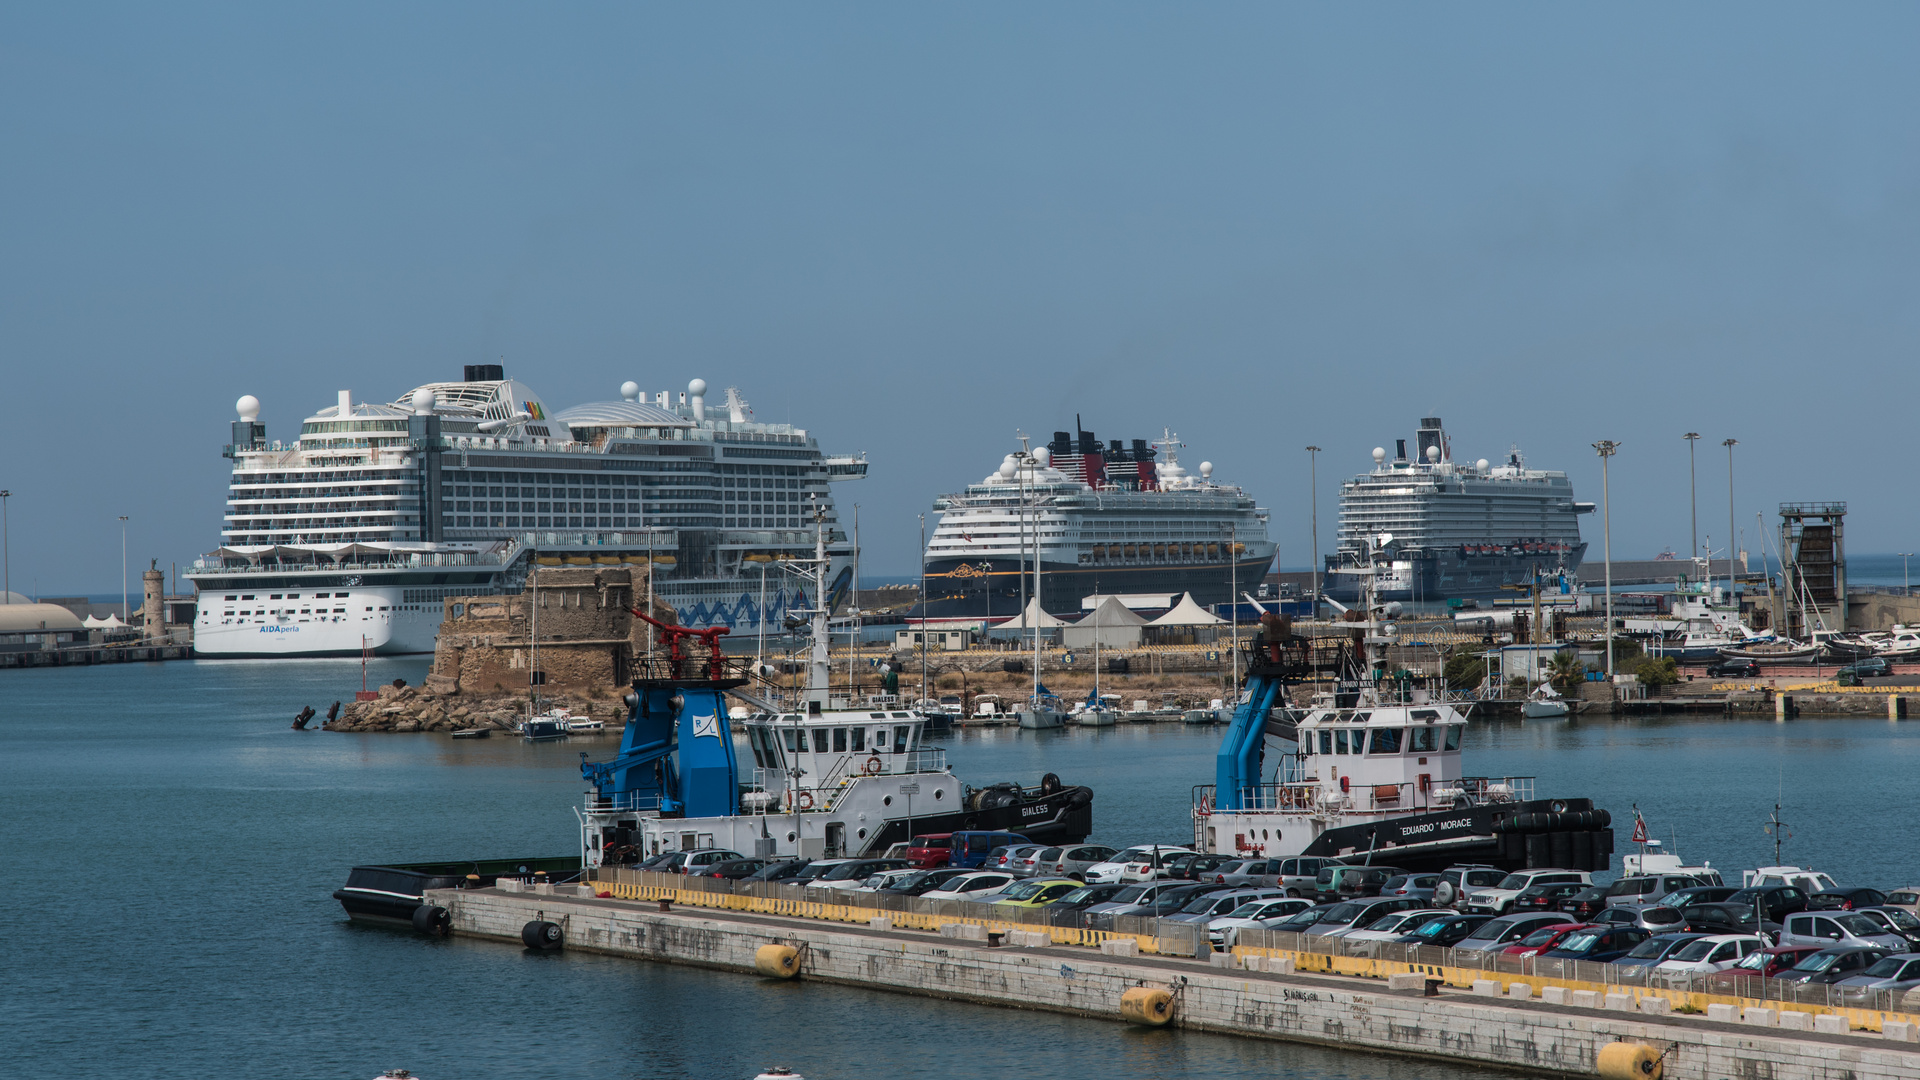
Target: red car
pixel 930 851
pixel 1765 964
pixel 1547 937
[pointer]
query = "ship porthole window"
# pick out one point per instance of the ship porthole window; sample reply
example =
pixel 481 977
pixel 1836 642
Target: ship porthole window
pixel 789 838
pixel 939 793
pixel 862 834
pixel 886 800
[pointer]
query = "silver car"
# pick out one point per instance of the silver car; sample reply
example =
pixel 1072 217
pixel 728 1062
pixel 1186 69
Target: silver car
pixel 1073 860
pixel 1250 872
pixel 1355 914
pixel 1897 973
pixel 1214 905
pixel 1495 935
pixel 1832 929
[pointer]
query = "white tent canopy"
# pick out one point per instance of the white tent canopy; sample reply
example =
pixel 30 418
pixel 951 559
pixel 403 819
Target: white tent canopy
pixel 1112 612
pixel 1033 617
pixel 1188 613
pixel 111 622
pixel 1111 624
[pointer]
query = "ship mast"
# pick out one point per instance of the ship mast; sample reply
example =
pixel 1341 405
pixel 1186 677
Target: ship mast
pixel 819 673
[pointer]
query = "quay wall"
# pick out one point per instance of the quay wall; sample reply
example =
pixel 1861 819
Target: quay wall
pixel 1349 1014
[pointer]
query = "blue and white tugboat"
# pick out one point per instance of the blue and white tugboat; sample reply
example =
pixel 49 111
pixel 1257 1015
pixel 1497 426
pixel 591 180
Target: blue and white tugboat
pixel 824 781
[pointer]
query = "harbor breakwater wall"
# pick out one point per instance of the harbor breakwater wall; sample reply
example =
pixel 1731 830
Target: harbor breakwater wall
pixel 1472 1027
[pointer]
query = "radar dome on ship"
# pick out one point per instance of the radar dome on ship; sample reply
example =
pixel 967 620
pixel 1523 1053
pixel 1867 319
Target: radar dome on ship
pixel 630 391
pixel 697 387
pixel 422 401
pixel 1379 454
pixel 248 407
pixel 1044 456
pixel 1433 453
pixel 1206 470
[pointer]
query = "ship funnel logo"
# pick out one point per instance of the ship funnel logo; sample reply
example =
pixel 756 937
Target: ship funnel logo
pixel 706 726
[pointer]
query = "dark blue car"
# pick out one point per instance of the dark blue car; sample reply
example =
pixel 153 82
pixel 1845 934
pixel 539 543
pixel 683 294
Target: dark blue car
pixel 1600 945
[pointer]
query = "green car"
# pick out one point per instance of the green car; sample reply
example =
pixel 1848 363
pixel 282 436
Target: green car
pixel 1038 892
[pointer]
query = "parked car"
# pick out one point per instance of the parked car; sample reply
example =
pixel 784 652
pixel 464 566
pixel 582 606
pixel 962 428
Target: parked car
pixel 1845 899
pixel 1545 938
pixel 887 878
pixel 655 863
pixel 1070 909
pixel 1906 896
pixel 1464 879
pixel 1779 901
pixel 1832 965
pixel 1585 904
pixel 1256 914
pixel 1897 919
pixel 1072 861
pixel 1413 886
pixel 1142 862
pixel 1708 954
pixel 1647 890
pixel 1444 932
pixel 1727 918
pixel 1340 882
pixel 1015 859
pixel 1133 896
pixel 1196 867
pixel 970 849
pixel 1205 907
pixel 1599 945
pixel 1835 928
pixel 1497 899
pixel 970 886
pixel 1682 899
pixel 1243 871
pixel 1392 926
pixel 697 862
pixel 1167 901
pixel 849 874
pixel 733 869
pixel 1653 920
pixel 1868 667
pixel 1299 924
pixel 778 871
pixel 1298 875
pixel 1655 950
pixel 929 850
pixel 924 881
pixel 1353 914
pixel 1739 669
pixel 1036 892
pixel 1764 963
pixel 1496 934
pixel 1897 973
pixel 804 877
pixel 1545 897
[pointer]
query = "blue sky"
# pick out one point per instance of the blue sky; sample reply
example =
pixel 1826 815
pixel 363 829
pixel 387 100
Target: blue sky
pixel 915 229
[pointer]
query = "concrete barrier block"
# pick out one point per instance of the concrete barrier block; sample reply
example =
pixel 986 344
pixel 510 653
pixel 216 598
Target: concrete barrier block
pixel 1725 1014
pixel 1280 965
pixel 1253 963
pixel 1795 1020
pixel 1120 947
pixel 1655 1006
pixel 583 890
pixel 1520 991
pixel 1486 987
pixel 1584 999
pixel 1898 1030
pixel 1553 995
pixel 1407 980
pixel 1036 939
pixel 1757 1016
pixel 880 922
pixel 1619 1002
pixel 511 885
pixel 1828 1024
pixel 1220 960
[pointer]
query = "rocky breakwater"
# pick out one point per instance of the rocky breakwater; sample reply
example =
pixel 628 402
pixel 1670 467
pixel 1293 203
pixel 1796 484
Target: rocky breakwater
pixel 422 708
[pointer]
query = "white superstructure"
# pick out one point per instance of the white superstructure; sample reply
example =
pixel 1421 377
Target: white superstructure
pixel 352 536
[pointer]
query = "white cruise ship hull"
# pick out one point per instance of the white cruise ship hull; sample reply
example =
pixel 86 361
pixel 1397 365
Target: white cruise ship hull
pixel 373 619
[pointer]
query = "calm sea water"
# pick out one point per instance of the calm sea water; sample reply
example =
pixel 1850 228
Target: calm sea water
pixel 172 844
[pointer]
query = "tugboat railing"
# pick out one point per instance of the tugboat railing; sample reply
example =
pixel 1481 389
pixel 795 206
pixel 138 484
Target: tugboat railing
pixel 1308 798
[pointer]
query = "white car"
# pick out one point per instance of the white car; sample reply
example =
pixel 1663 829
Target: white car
pixel 1703 956
pixel 1258 915
pixel 972 886
pixel 1142 862
pixel 1392 925
pixel 885 878
pixel 1497 900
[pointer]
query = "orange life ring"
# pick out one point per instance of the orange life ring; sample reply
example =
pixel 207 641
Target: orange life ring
pixel 806 800
pixel 872 766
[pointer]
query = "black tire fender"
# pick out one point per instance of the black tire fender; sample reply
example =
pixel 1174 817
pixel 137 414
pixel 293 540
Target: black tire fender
pixel 432 920
pixel 542 936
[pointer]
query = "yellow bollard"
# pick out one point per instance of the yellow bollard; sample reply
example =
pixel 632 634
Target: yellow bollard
pixel 777 961
pixel 1150 1005
pixel 1629 1061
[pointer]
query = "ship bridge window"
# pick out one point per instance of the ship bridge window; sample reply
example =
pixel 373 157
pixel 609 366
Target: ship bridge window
pixel 878 715
pixel 900 738
pixel 1425 714
pixel 819 740
pixel 1423 740
pixel 1386 740
pixel 794 744
pixel 839 740
pixel 1453 736
pixel 859 739
pixel 879 740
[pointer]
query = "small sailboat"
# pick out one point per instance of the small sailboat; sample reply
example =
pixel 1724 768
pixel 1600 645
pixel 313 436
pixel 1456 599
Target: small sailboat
pixel 1544 702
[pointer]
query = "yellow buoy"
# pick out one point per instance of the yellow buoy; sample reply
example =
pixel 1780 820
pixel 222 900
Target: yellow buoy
pixel 1151 1005
pixel 1629 1061
pixel 777 961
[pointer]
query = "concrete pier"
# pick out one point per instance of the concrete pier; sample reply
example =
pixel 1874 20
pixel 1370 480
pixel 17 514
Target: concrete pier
pixel 1221 993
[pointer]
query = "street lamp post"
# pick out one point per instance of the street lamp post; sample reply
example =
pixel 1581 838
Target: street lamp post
pixel 1607 448
pixel 6 548
pixel 126 613
pixel 1731 534
pixel 1693 495
pixel 923 610
pixel 1313 498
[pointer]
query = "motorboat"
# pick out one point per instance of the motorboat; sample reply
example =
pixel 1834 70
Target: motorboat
pixel 1097 711
pixel 555 723
pixel 1782 651
pixel 1543 703
pixel 473 733
pixel 579 726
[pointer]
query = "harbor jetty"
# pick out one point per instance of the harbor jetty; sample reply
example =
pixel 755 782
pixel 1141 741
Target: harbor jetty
pixel 1463 1013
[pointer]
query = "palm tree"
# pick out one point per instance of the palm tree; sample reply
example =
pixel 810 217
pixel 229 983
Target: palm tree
pixel 1565 670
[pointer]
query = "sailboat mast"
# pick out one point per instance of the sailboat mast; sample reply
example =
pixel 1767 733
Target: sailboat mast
pixel 818 671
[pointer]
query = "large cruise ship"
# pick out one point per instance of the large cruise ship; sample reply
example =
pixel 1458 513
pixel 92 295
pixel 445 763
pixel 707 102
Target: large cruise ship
pixel 1109 519
pixel 1460 530
pixel 351 536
